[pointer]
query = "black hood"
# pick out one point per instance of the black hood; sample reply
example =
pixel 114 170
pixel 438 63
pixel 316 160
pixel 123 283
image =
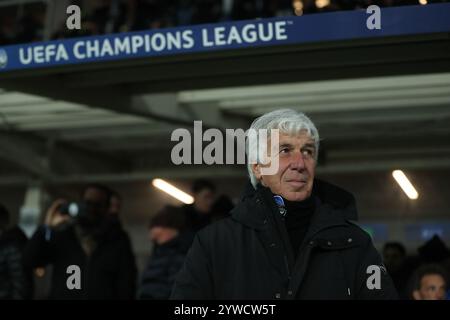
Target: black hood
pixel 338 198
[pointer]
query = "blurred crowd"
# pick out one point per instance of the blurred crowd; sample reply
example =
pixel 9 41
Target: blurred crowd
pixel 88 234
pixel 27 22
pixel 422 275
pixel 93 239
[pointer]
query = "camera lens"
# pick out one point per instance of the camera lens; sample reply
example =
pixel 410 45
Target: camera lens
pixel 73 209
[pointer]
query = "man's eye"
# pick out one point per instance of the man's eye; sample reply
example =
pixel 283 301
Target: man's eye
pixel 308 152
pixel 284 150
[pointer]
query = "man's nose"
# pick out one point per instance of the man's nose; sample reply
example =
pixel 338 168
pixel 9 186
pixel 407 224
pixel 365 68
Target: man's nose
pixel 297 161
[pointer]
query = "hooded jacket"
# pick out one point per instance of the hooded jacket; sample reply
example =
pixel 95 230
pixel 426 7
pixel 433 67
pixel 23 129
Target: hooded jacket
pixel 249 256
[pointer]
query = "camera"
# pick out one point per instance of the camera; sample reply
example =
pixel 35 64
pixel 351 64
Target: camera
pixel 73 209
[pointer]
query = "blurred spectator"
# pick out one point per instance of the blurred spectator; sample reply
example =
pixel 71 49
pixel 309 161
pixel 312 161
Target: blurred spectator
pixel 13 280
pixel 434 251
pixel 115 204
pixel 153 14
pixel 429 282
pixel 168 254
pixel 244 9
pixel 221 208
pixel 115 208
pixel 101 251
pixel 98 17
pixel 401 267
pixel 198 214
pixel 185 13
pixel 108 16
pixel 7 30
pixel 16 236
pixel 206 11
pixel 394 258
pixel 31 25
pixel 394 254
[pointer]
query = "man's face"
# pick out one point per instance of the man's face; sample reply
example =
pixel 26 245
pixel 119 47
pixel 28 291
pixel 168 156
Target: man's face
pixel 393 259
pixel 162 235
pixel 295 176
pixel 432 287
pixel 114 206
pixel 96 201
pixel 203 200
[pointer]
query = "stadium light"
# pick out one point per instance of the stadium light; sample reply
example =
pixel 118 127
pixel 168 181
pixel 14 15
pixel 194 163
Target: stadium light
pixel 405 184
pixel 172 191
pixel 423 2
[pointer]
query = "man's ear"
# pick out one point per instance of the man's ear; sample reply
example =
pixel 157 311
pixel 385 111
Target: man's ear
pixel 256 168
pixel 416 295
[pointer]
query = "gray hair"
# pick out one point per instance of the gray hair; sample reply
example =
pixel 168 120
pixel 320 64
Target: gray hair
pixel 287 121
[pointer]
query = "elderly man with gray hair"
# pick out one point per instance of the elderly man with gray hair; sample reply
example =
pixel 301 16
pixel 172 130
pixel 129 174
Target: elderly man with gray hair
pixel 291 237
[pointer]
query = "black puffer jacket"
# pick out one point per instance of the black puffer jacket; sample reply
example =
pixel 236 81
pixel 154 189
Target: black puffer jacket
pixel 248 256
pixel 13 280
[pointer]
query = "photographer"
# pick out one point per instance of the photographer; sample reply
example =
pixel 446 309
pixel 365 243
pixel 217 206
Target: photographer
pixel 87 240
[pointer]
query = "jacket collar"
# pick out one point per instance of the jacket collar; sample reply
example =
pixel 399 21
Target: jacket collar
pixel 333 205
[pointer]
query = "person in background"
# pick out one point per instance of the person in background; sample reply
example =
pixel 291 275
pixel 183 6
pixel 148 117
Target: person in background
pixel 115 211
pixel 433 251
pixel 168 254
pixel 13 279
pixel 114 216
pixel 107 268
pixel 394 254
pixel 429 282
pixel 222 207
pixel 198 214
pixel 115 203
pixel 18 237
pixel 394 258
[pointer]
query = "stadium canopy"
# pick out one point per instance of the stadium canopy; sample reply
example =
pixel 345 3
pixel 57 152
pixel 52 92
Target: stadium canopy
pixel 103 108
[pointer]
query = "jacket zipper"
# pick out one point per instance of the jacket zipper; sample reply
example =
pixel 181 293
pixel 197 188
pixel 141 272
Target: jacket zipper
pixel 288 270
pixel 305 256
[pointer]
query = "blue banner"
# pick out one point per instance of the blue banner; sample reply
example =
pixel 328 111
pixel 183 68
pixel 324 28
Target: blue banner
pixel 321 27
